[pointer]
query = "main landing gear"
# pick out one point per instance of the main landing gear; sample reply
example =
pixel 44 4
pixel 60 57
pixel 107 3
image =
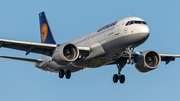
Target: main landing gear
pixel 62 73
pixel 120 64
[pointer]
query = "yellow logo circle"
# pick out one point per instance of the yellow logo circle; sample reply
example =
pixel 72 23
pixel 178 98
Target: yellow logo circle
pixel 44 32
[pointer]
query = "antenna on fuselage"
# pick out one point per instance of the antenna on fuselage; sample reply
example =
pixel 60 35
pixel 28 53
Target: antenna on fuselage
pixel 129 15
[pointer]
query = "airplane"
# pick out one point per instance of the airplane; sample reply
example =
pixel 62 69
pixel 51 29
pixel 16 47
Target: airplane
pixel 112 44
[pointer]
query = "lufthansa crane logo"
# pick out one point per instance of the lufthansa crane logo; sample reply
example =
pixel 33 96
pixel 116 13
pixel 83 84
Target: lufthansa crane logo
pixel 44 32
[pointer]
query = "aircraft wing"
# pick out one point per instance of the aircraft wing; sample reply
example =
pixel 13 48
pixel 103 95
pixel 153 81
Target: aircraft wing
pixel 164 57
pixel 23 59
pixel 41 48
pixel 169 57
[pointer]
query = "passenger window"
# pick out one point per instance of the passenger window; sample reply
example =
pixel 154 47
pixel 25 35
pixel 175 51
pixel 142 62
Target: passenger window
pixel 137 22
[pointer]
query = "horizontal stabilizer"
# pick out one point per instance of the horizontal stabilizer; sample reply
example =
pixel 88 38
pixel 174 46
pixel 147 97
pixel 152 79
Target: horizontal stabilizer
pixel 23 59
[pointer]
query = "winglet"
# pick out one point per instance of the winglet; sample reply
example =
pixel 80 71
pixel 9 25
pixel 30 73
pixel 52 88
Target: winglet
pixel 46 34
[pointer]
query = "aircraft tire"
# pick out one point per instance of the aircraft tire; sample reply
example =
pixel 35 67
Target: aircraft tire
pixel 68 74
pixel 122 78
pixel 128 61
pixel 115 78
pixel 61 73
pixel 132 61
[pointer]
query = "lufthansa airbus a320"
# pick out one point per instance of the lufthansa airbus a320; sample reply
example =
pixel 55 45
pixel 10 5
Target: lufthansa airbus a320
pixel 112 44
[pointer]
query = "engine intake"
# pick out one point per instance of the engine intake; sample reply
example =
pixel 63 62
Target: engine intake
pixel 147 61
pixel 65 53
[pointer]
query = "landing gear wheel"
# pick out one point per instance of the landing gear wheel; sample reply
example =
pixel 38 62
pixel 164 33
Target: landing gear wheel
pixel 122 78
pixel 61 73
pixel 115 78
pixel 132 61
pixel 68 74
pixel 128 61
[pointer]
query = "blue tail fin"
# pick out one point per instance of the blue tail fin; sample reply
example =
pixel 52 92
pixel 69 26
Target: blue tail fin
pixel 46 34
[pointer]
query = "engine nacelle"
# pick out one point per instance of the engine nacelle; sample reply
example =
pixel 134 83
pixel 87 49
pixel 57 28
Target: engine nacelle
pixel 147 61
pixel 65 53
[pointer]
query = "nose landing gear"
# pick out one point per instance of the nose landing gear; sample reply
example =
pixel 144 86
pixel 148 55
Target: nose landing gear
pixel 130 60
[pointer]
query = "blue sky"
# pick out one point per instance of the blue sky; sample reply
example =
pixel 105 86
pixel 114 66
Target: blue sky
pixel 21 81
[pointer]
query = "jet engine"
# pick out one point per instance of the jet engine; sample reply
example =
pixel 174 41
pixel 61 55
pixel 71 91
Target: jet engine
pixel 147 61
pixel 65 53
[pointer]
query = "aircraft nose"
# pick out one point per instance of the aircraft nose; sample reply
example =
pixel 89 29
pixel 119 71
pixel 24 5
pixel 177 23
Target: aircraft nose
pixel 144 32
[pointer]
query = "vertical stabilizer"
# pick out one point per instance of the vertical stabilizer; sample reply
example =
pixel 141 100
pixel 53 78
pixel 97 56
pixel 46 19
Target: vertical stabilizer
pixel 45 31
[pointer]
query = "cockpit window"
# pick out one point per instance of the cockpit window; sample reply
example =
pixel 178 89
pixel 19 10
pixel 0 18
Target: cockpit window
pixel 135 22
pixel 127 23
pixel 131 22
pixel 144 22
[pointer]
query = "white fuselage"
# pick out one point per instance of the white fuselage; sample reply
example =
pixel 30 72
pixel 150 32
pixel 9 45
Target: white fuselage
pixel 110 41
